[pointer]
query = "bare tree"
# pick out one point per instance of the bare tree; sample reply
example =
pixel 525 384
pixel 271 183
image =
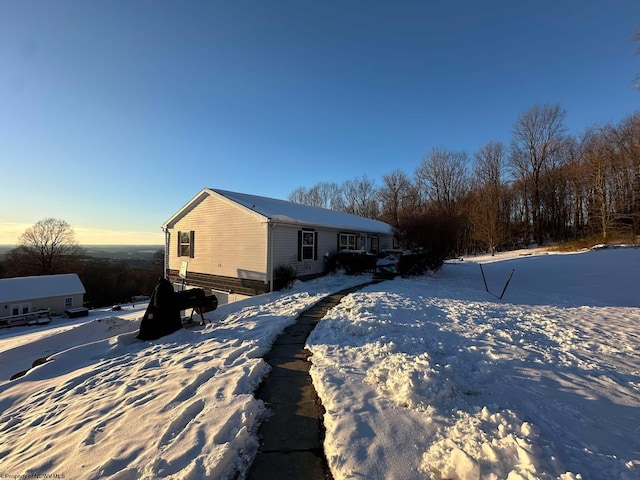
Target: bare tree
pixel 579 188
pixel 485 214
pixel 597 167
pixel 560 187
pixel 18 263
pixel 323 194
pixel 537 137
pixel 299 195
pixel 565 193
pixel 360 197
pixel 398 196
pixel 326 195
pixel 626 141
pixel 442 175
pixel 48 247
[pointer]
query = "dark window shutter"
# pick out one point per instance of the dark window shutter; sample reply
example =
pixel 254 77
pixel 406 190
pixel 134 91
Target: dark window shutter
pixel 192 237
pixel 178 238
pixel 315 245
pixel 299 245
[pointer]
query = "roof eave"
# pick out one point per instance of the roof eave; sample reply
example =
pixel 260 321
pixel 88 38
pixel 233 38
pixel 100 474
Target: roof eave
pixel 186 208
pixel 351 228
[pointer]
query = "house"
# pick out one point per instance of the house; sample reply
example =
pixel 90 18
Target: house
pixel 232 242
pixel 22 295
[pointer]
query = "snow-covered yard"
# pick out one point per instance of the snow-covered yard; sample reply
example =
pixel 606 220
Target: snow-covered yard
pixel 421 378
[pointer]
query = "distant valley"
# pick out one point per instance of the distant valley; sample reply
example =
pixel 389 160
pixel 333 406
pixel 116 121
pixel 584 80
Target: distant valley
pixel 111 252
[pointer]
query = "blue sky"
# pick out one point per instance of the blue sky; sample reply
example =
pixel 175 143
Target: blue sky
pixel 114 114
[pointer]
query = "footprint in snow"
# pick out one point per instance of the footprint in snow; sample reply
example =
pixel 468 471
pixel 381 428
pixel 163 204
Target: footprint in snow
pixel 179 423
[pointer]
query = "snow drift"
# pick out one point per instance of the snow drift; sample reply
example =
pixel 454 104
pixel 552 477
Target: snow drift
pixel 420 378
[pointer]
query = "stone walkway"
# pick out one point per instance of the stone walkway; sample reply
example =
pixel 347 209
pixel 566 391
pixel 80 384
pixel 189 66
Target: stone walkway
pixel 292 438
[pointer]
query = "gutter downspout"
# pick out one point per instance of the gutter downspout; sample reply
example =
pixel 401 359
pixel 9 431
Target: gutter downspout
pixel 270 227
pixel 166 253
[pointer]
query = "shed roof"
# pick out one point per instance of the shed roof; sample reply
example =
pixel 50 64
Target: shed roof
pixel 282 211
pixel 18 289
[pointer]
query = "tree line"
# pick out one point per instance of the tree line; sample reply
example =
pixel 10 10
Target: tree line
pixel 544 186
pixel 49 247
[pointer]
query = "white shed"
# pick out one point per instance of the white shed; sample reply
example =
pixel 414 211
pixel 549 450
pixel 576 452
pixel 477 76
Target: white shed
pixel 21 295
pixel 234 241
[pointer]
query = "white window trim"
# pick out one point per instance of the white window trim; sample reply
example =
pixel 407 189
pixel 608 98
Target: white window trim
pixel 308 248
pixel 185 243
pixel 20 308
pixel 348 245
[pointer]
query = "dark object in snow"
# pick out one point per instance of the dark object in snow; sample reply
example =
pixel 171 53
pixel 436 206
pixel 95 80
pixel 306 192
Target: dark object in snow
pixel 196 299
pixel 162 316
pixel 387 265
pixel 76 312
pixel 505 285
pixel 36 362
pixel 186 298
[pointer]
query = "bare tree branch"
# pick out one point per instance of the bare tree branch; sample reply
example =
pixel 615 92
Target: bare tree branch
pixel 49 246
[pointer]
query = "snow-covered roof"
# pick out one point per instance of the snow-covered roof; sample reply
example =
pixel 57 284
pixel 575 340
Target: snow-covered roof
pixel 282 211
pixel 28 288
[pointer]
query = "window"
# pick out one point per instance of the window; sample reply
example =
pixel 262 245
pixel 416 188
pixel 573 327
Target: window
pixel 68 302
pixel 307 245
pixel 185 244
pixel 346 241
pixel 20 309
pixel 375 244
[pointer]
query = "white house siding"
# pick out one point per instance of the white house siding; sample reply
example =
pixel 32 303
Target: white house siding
pixel 327 242
pixel 285 244
pixel 285 251
pixel 57 304
pixel 229 241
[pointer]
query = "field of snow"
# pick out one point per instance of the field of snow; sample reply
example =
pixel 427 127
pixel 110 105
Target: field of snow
pixel 421 378
pixel 433 378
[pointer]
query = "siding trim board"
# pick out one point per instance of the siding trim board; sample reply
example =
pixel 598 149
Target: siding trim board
pixel 242 286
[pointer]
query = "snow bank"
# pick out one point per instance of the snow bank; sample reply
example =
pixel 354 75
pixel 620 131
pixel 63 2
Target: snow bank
pixel 111 406
pixel 434 378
